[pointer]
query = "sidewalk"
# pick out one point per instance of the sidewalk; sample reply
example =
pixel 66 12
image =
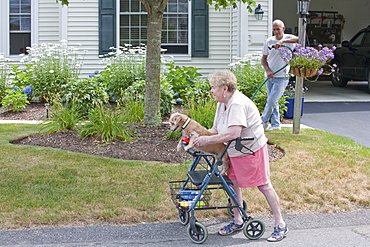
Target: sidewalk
pixel 339 230
pixel 19 121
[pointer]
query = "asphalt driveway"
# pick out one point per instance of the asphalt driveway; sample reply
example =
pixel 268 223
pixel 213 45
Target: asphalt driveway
pixel 341 111
pixel 348 119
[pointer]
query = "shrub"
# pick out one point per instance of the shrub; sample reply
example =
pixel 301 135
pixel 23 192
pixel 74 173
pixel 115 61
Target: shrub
pixel 200 89
pixel 84 93
pixel 123 66
pixel 4 73
pixel 48 67
pixel 20 76
pixel 202 109
pixel 250 75
pixel 182 79
pixel 137 92
pixel 15 100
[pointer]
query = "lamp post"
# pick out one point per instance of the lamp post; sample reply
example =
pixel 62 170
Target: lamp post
pixel 258 13
pixel 303 6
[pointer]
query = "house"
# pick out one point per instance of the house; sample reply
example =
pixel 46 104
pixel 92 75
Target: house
pixel 193 32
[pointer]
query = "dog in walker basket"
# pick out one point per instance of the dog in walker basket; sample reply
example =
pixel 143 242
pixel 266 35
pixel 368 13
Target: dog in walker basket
pixel 191 129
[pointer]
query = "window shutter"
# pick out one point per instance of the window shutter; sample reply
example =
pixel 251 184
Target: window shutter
pixel 107 25
pixel 199 29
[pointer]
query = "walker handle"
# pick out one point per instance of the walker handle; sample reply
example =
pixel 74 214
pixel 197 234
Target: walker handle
pixel 245 138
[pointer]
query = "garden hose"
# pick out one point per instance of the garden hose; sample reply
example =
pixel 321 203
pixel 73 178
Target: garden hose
pixel 263 83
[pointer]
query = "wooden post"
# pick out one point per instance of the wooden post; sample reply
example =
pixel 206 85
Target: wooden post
pixel 299 80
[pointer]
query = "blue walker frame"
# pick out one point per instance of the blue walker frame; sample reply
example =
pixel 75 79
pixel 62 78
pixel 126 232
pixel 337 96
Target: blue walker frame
pixel 253 229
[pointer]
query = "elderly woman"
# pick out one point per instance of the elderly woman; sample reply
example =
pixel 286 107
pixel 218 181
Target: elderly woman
pixel 237 116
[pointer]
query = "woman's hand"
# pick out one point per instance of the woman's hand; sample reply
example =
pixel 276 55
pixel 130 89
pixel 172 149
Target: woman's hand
pixel 231 133
pixel 201 141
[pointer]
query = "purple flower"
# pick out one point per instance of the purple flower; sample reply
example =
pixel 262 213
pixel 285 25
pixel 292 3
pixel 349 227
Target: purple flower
pixel 27 89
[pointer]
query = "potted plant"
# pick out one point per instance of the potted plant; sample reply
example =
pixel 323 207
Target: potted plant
pixel 289 96
pixel 308 61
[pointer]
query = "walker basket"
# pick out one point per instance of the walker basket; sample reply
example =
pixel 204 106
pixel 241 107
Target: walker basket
pixel 183 197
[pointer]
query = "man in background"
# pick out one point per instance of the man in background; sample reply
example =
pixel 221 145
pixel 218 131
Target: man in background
pixel 276 84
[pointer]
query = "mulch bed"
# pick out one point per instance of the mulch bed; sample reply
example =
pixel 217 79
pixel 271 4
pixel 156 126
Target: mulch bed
pixel 150 144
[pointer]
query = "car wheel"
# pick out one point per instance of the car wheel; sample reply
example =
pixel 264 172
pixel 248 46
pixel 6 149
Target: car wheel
pixel 337 78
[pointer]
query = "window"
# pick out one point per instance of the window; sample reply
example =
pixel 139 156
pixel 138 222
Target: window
pixel 19 25
pixel 175 27
pixel 367 40
pixel 133 25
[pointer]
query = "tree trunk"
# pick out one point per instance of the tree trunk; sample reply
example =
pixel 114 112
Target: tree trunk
pixel 155 9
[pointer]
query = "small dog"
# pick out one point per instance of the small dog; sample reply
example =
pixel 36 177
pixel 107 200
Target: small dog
pixel 191 130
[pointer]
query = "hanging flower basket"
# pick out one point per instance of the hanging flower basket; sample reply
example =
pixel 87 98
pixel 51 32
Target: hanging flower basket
pixel 308 61
pixel 303 72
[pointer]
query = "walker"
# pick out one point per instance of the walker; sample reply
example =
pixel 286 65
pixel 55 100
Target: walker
pixel 194 193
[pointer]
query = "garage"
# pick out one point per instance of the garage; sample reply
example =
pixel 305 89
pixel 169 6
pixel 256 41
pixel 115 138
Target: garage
pixel 331 21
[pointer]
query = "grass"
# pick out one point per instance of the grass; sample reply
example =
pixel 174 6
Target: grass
pixel 39 187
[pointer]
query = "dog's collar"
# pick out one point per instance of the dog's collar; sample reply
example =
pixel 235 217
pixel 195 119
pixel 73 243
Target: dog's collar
pixel 186 123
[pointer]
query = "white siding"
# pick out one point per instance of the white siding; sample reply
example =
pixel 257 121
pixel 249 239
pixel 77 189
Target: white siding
pixel 83 28
pixel 219 44
pixel 78 24
pixel 258 31
pixel 232 32
pixel 48 30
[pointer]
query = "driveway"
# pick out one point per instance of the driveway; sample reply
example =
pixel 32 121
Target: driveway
pixel 341 111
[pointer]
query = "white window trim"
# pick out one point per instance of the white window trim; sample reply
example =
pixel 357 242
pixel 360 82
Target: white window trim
pixel 180 56
pixel 34 21
pixel 190 14
pixel 4 29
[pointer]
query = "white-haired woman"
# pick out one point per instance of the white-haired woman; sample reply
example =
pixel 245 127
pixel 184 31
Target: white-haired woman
pixel 237 116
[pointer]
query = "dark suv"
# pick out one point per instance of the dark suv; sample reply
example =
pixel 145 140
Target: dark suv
pixel 353 60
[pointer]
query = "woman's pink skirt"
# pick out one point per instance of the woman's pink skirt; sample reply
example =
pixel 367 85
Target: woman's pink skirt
pixel 251 170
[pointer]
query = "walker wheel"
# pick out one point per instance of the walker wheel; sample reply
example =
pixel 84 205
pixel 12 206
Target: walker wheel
pixel 198 235
pixel 230 210
pixel 183 217
pixel 254 229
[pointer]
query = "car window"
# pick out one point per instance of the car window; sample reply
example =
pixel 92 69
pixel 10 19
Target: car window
pixel 357 41
pixel 367 40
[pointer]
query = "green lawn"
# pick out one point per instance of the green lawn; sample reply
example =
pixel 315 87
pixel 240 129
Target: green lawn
pixel 320 173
